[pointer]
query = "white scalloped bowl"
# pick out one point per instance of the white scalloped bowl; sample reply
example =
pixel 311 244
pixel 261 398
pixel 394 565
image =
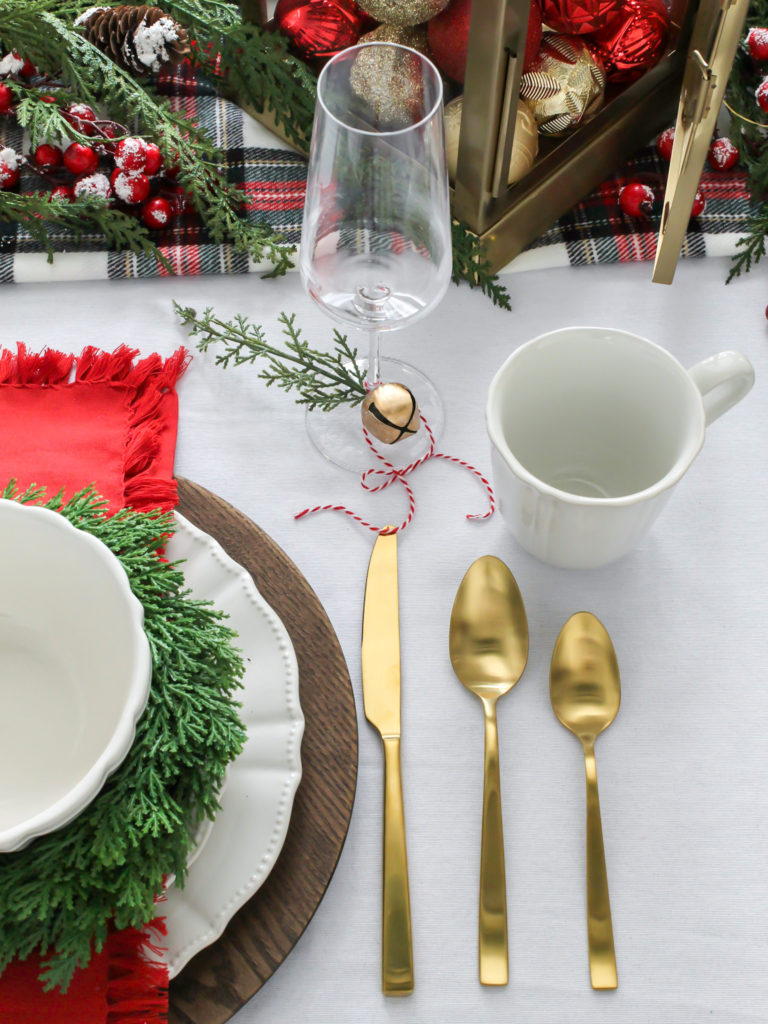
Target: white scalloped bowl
pixel 75 670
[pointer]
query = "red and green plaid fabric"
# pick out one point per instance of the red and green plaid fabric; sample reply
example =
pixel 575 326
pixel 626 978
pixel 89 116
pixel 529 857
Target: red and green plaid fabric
pixel 273 180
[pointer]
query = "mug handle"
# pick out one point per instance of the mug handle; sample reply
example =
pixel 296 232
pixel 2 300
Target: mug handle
pixel 723 380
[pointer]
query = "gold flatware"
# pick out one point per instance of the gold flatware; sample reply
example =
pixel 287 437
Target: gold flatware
pixel 381 697
pixel 585 691
pixel 489 650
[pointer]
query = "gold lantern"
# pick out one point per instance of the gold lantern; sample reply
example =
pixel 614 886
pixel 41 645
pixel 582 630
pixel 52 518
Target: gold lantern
pixel 690 79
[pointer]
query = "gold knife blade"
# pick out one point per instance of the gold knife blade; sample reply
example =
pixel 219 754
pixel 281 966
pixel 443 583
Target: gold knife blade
pixel 381 699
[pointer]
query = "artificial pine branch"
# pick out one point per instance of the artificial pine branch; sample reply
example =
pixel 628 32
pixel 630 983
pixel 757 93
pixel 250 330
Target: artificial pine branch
pixel 471 264
pixel 83 216
pixel 59 894
pixel 322 380
pixel 751 140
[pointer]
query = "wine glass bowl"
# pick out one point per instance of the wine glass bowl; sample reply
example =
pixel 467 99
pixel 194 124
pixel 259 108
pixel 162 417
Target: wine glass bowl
pixel 376 237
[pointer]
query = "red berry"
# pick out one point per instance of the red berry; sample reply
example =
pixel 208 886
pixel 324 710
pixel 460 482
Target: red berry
pixel 28 68
pixel 154 159
pixel 47 156
pixel 664 144
pixel 63 192
pixel 757 43
pixel 9 168
pixel 131 188
pixel 80 159
pixel 157 212
pixel 81 117
pixel 6 99
pixel 131 154
pixel 93 185
pixel 761 95
pixel 698 204
pixel 47 99
pixel 636 199
pixel 723 155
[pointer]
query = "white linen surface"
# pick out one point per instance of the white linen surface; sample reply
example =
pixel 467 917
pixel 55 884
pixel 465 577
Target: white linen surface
pixel 682 770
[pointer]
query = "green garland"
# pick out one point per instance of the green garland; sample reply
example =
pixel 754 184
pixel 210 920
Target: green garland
pixel 59 895
pixel 750 139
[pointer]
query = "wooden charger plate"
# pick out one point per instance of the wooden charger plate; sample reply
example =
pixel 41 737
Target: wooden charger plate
pixel 224 976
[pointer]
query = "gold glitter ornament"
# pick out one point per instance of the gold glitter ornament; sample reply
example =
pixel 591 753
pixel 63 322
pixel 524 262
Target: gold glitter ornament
pixel 390 413
pixel 390 83
pixel 403 35
pixel 525 145
pixel 564 86
pixel 403 12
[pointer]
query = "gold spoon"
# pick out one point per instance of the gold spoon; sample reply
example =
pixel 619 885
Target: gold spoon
pixel 585 691
pixel 489 649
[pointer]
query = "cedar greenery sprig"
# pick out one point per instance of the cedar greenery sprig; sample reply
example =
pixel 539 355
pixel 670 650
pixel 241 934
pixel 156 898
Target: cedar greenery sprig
pixel 471 264
pixel 81 217
pixel 322 380
pixel 59 895
pixel 752 141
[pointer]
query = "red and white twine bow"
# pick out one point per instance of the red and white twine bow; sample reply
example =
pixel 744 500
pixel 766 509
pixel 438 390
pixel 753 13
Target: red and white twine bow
pixel 393 475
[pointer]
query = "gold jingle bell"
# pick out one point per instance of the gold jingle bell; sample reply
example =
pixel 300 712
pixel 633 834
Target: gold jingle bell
pixel 390 413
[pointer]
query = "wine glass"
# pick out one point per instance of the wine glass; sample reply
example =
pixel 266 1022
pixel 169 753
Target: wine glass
pixel 376 237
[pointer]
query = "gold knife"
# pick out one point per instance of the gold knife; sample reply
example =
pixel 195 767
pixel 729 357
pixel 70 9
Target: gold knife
pixel 381 698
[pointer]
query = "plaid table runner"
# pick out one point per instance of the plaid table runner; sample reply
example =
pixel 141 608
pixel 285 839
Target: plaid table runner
pixel 273 179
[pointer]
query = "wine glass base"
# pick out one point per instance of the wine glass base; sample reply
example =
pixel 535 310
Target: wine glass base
pixel 338 435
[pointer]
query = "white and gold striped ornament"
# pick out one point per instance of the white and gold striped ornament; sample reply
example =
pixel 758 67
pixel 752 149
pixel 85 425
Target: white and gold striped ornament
pixel 565 86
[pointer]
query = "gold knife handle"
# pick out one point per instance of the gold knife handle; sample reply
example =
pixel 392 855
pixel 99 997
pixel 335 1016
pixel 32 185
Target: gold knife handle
pixel 602 957
pixel 396 945
pixel 492 919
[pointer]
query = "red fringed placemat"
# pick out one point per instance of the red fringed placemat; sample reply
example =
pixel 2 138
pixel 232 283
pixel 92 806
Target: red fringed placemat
pixel 107 418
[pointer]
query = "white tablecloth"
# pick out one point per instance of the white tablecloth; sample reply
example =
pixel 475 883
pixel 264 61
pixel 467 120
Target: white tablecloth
pixel 682 770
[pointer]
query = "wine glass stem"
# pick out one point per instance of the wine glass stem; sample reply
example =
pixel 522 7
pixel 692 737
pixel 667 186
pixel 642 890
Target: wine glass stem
pixel 373 375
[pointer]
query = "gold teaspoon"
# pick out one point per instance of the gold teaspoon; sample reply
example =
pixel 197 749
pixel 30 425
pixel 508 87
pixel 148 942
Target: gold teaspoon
pixel 489 650
pixel 585 691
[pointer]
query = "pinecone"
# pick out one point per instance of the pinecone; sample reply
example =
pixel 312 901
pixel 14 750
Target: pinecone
pixel 138 39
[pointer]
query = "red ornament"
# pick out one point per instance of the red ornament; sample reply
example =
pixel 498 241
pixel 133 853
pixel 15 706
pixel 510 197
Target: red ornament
pixel 636 199
pixel 81 117
pixel 576 17
pixel 633 42
pixel 157 212
pixel 80 159
pixel 320 28
pixel 761 95
pixel 154 159
pixel 63 192
pixel 9 168
pixel 723 155
pixel 664 144
pixel 130 188
pixel 6 99
pixel 28 68
pixel 698 204
pixel 757 44
pixel 131 155
pixel 448 37
pixel 47 156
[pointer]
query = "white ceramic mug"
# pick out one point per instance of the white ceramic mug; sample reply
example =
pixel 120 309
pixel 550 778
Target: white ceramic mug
pixel 590 430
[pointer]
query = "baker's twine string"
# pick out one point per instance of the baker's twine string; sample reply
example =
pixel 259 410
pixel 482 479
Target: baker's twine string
pixel 392 475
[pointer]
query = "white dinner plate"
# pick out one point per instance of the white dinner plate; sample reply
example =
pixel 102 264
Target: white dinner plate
pixel 240 850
